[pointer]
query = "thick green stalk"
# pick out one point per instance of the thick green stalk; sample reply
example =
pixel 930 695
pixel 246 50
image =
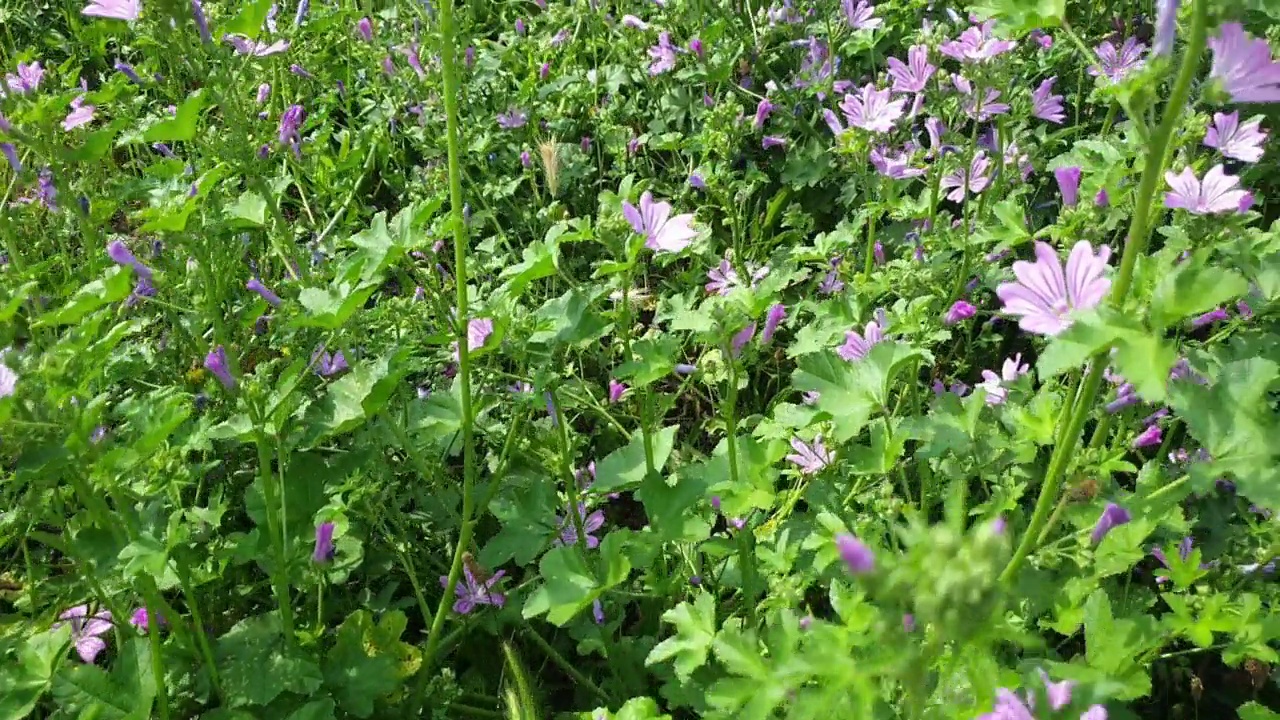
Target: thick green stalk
pixel 1135 245
pixel 746 551
pixel 275 529
pixel 449 62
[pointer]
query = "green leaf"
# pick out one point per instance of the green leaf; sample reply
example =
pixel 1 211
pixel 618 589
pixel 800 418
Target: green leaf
pixel 1255 711
pixel 314 710
pixel 1019 17
pixel 250 208
pixel 357 678
pixel 113 286
pixel 331 307
pixel 356 397
pixel 181 127
pixel 1145 361
pixel 851 392
pixel 539 260
pixel 654 360
pixel 695 634
pixel 624 468
pixel 1192 288
pixel 87 691
pixel 1088 335
pixel 256 665
pixel 249 20
pixel 1233 418
pixel 27 680
pixel 740 654
pixel 569 320
pixel 568 586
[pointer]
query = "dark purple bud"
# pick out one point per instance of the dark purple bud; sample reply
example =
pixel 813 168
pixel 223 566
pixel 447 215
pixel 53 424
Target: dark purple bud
pixel 365 28
pixel 256 286
pixel 1113 516
pixel 202 24
pixel 323 552
pixel 216 363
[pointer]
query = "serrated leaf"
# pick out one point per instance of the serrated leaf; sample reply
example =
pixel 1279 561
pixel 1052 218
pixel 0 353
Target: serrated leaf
pixel 256 666
pixel 1088 335
pixel 1192 288
pixel 331 307
pixel 182 126
pixel 356 397
pixel 1145 361
pixel 356 677
pixel 695 634
pixel 249 207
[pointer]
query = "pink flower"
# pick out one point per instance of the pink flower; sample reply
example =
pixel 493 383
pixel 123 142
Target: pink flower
pixel 763 110
pixel 616 390
pixel 26 80
pixel 857 556
pixel 976 44
pixel 860 16
pixel 872 109
pixel 741 339
pixel 959 312
pixel 773 318
pixel 1044 297
pixel 913 75
pixel 86 630
pixel 634 22
pixel 1148 438
pixel 1117 64
pixel 478 331
pixel 663 54
pixel 723 278
pixel 1068 184
pixel 1243 65
pixel 128 10
pixel 245 46
pixel 896 167
pixel 810 457
pixel 857 346
pixel 1240 142
pixel 1217 194
pixel 1045 105
pixel 974 181
pixel 80 114
pixel 662 232
pixel 1012 369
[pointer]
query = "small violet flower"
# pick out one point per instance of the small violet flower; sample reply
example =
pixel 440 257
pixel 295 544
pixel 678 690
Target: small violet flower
pixel 86 631
pixel 857 557
pixel 1243 65
pixel 857 346
pixel 1112 516
pixel 1044 296
pixel 1240 142
pixel 1217 193
pixel 810 457
pixel 323 551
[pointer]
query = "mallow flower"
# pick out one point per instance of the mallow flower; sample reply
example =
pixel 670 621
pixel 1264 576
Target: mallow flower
pixel 995 385
pixel 872 109
pixel 1244 142
pixel 1118 63
pixel 977 44
pixel 128 10
pixel 663 54
pixel 1045 105
pixel 86 630
pixel 974 180
pixel 1243 65
pixel 860 16
pixel 1043 297
pixel 1112 516
pixel 473 591
pixel 216 363
pixel 1217 194
pixel 857 556
pixel 810 457
pixel 856 346
pixel 663 233
pixel 913 75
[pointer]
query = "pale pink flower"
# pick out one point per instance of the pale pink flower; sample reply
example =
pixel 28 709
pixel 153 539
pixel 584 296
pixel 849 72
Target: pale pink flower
pixel 810 457
pixel 81 114
pixel 1234 140
pixel 128 10
pixel 974 180
pixel 1044 297
pixel 913 75
pixel 856 346
pixel 1244 66
pixel 860 16
pixel 871 109
pixel 1045 105
pixel 662 232
pixel 1215 195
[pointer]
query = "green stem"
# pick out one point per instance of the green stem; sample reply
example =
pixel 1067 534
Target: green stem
pixel 157 659
pixel 271 497
pixel 449 61
pixel 201 637
pixel 566 471
pixel 871 247
pixel 746 559
pixel 562 662
pixel 1139 234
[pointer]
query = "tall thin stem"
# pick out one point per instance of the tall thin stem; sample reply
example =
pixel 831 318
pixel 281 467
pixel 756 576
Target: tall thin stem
pixel 1135 245
pixel 449 61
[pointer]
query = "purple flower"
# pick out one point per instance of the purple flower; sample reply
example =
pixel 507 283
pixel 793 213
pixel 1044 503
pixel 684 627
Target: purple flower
pixel 114 9
pixel 46 191
pixel 560 37
pixel 663 54
pixel 1148 437
pixel 245 46
pixel 365 28
pixel 323 551
pixel 11 154
pixel 25 80
pixel 1044 297
pixel 1118 63
pixel 810 457
pixel 772 141
pixel 857 557
pixel 1044 39
pixel 326 365
pixel 1211 317
pixel 959 312
pixel 512 119
pixel 141 619
pixel 590 524
pixel 871 109
pixel 301 72
pixel 980 107
pixel 975 180
pixel 120 255
pixel 976 44
pixel 127 70
pixel 1240 142
pixel 1166 27
pixel 520 29
pixel 81 114
pixel 763 109
pixel 410 53
pixel 202 23
pixel 696 182
pixel 264 92
pixel 1243 65
pixel 1217 194
pixel 685 369
pixel 1243 308
pixel 895 167
pixel 1102 199
pixel 616 391
pixel 741 338
pixel 478 331
pixel 388 66
pixel 1068 184
pixel 304 7
pixel 773 318
pixel 255 285
pixel 1045 105
pixel 662 232
pixel 216 363
pixel 634 22
pixel 723 278
pixel 86 630
pixel 860 16
pixel 695 47
pixel 913 75
pixel 1113 516
pixel 471 592
pixel 8 381
pixel 857 346
pixel 290 128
